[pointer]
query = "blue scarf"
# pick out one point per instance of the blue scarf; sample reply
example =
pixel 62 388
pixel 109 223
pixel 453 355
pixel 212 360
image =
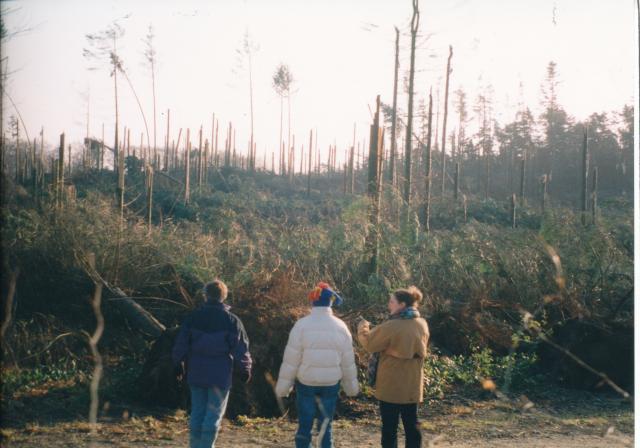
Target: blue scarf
pixel 407 313
pixel 372 369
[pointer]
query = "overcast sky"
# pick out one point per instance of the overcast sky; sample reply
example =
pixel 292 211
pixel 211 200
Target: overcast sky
pixel 340 53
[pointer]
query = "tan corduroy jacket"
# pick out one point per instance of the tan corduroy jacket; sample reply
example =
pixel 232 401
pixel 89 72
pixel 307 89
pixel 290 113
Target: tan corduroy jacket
pixel 402 344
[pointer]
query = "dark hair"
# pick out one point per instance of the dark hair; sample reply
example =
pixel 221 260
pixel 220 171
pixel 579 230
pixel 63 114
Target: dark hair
pixel 410 296
pixel 215 290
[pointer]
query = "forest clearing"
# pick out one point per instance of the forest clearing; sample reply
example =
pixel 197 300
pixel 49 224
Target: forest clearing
pixel 463 261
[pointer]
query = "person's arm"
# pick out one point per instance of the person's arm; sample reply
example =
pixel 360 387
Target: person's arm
pixel 290 362
pixel 241 356
pixel 181 344
pixel 373 341
pixel 348 366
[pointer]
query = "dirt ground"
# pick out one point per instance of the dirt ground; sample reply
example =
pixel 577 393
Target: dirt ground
pixel 577 420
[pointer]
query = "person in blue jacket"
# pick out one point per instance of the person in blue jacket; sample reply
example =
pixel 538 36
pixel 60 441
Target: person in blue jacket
pixel 210 344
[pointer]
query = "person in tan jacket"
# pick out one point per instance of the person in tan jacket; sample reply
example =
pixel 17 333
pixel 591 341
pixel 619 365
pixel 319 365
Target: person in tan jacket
pixel 401 343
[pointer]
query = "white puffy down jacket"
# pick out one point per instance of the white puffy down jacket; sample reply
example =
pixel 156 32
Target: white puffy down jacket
pixel 319 353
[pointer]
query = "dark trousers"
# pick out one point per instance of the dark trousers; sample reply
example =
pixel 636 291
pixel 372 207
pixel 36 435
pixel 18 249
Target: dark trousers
pixel 390 414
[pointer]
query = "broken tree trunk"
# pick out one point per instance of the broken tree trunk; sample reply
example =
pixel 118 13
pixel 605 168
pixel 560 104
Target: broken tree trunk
pixel 444 119
pixel 139 318
pixel 373 190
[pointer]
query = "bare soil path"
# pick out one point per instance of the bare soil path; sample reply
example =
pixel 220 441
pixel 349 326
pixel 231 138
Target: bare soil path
pixel 575 421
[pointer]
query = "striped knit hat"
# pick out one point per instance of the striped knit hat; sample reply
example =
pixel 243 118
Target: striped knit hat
pixel 323 295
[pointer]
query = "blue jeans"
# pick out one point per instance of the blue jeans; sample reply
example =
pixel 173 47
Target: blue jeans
pixel 312 402
pixel 207 408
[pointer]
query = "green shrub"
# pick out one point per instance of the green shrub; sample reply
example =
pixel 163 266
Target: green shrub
pixel 443 374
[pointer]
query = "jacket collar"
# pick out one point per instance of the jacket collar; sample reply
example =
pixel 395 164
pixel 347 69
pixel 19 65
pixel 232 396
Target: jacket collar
pixel 211 303
pixel 321 310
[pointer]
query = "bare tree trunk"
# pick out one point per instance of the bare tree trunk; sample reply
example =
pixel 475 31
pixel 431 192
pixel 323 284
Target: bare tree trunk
pixel 428 170
pixel 235 159
pixel 97 358
pixel 120 190
pixel 456 186
pixel 69 158
pixel 252 163
pixel 584 174
pixel 166 146
pixel 523 167
pixel 216 145
pixel 292 159
pixel 175 151
pixel 280 142
pixel 115 90
pixel 373 190
pixel 60 176
pixel 34 171
pixel 317 153
pixel 415 20
pixel 392 156
pixel 42 168
pixel 8 304
pixel 444 120
pixel 544 191
pixel 487 175
pixel 85 158
pixel 152 155
pixel 302 160
pixel 350 168
pixel 227 149
pixel 513 210
pixel 310 162
pixel 464 206
pixel 101 156
pixel 205 166
pixel 200 164
pixel 119 160
pixel 289 129
pixel 594 195
pixel 149 197
pixel 17 154
pixel 2 148
pixel 153 88
pixel 283 169
pixel 187 168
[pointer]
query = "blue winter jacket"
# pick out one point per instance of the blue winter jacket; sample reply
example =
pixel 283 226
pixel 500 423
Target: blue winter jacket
pixel 212 341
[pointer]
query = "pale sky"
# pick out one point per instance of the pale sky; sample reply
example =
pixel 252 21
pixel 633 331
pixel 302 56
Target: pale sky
pixel 340 52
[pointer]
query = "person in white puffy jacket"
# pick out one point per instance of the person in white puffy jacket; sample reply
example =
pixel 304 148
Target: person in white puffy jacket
pixel 318 358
